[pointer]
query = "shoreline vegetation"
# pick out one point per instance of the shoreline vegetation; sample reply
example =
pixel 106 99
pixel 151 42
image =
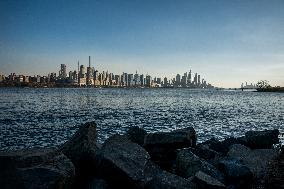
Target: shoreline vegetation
pixel 264 86
pixel 137 159
pixel 271 89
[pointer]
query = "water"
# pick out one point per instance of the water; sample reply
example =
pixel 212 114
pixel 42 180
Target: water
pixel 48 117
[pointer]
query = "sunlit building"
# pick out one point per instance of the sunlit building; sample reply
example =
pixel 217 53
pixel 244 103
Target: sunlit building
pixel 62 72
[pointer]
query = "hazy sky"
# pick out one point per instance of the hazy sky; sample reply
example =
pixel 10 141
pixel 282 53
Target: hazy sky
pixel 228 42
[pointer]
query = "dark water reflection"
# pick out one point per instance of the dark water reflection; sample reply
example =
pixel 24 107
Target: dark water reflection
pixel 48 117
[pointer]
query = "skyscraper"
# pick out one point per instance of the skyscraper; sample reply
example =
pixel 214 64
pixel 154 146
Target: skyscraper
pixel 90 74
pixel 125 79
pixel 62 72
pixel 159 80
pixel 82 72
pixel 177 83
pixel 136 79
pixel 184 80
pixel 189 79
pixel 142 80
pixel 130 80
pixel 82 76
pixel 165 82
pixel 148 81
pixel 195 80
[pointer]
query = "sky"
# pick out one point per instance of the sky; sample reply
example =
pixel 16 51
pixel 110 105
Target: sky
pixel 226 42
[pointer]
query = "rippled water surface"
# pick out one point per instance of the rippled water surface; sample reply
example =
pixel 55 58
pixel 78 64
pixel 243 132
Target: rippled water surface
pixel 48 117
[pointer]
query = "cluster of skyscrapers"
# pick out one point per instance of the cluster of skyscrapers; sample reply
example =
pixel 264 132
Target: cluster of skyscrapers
pixel 90 77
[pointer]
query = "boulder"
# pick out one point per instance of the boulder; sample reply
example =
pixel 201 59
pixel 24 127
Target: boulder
pixel 136 135
pixel 81 148
pixel 96 183
pixel 162 145
pixel 205 181
pixel 275 176
pixel 179 138
pixel 122 162
pixel 35 169
pixel 156 178
pixel 204 152
pixel 188 164
pixel 256 160
pixel 262 139
pixel 238 151
pixel 236 173
pixel 223 146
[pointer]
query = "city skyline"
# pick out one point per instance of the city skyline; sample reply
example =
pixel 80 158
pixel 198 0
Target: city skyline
pixel 91 77
pixel 228 41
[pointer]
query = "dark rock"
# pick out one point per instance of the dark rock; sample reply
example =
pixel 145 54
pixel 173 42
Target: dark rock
pixel 275 173
pixel 238 151
pixel 256 160
pixel 210 142
pixel 96 183
pixel 236 174
pixel 162 145
pixel 223 146
pixel 136 135
pixel 179 138
pixel 188 164
pixel 166 180
pixel 157 178
pixel 35 168
pixel 207 182
pixel 81 148
pixel 262 139
pixel 122 162
pixel 204 152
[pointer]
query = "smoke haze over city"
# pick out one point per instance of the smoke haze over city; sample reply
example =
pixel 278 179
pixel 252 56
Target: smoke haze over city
pixel 227 42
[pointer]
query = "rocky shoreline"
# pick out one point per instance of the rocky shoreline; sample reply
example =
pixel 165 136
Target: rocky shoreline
pixel 137 159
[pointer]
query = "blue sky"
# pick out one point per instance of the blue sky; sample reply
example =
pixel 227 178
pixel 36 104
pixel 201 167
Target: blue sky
pixel 227 42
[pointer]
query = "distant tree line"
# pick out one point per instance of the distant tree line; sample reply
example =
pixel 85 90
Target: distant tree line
pixel 264 86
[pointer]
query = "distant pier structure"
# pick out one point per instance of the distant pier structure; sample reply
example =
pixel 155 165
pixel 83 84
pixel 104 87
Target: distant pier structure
pixel 247 86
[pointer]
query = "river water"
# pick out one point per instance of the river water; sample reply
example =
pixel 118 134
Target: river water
pixel 48 117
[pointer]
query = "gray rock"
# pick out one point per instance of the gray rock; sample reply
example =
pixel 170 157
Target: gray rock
pixel 275 176
pixel 236 174
pixel 262 139
pixel 82 147
pixel 256 160
pixel 204 152
pixel 35 168
pixel 179 138
pixel 162 145
pixel 238 151
pixel 157 178
pixel 188 164
pixel 122 162
pixel 207 182
pixel 136 135
pixel 223 146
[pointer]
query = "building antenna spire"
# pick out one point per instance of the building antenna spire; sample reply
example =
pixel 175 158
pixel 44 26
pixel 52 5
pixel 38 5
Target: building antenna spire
pixel 78 66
